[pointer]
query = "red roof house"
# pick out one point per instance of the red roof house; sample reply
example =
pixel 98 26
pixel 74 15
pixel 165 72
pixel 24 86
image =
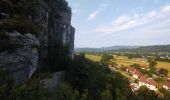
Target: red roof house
pixel 135 73
pixel 150 83
pixel 166 85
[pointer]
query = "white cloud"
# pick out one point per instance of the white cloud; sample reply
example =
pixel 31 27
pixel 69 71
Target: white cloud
pixel 151 14
pixel 93 15
pixel 166 10
pixel 128 22
pixel 101 8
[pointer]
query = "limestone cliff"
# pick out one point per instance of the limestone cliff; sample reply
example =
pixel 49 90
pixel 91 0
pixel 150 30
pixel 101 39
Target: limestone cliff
pixel 54 21
pixel 29 38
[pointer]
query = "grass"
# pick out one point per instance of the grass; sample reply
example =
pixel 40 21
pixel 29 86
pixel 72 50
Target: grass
pixel 123 60
pixel 95 58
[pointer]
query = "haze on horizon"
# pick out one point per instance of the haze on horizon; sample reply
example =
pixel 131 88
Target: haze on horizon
pixel 103 23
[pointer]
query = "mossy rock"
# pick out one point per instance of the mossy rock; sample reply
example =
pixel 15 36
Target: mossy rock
pixel 21 25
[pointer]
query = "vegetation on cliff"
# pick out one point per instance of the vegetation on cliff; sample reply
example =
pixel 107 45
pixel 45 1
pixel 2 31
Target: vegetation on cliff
pixel 18 17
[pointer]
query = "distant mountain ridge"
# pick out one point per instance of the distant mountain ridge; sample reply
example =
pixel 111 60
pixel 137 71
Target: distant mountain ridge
pixel 152 48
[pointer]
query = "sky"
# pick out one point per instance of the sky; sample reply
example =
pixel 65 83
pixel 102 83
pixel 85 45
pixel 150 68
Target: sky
pixel 104 23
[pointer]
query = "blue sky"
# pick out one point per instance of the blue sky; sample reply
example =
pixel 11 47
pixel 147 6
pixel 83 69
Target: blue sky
pixel 103 23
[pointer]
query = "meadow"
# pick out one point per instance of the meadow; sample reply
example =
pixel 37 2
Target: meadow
pixel 125 61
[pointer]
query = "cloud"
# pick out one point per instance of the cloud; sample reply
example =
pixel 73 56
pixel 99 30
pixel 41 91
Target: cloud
pixel 166 10
pixel 93 15
pixel 126 22
pixel 101 8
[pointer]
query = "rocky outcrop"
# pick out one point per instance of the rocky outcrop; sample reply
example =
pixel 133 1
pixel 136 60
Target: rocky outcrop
pixel 19 55
pixel 54 81
pixel 21 51
pixel 54 21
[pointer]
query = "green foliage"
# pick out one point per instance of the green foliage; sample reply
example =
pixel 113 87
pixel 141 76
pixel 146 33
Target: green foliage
pixel 20 25
pixel 32 90
pixel 85 74
pixel 106 95
pixel 19 7
pixel 6 84
pixel 123 68
pixel 152 64
pixel 145 94
pixel 163 72
pixel 106 59
pixel 20 16
pixel 66 92
pixel 3 35
pixel 137 66
pixel 121 89
pixel 166 93
pixel 60 61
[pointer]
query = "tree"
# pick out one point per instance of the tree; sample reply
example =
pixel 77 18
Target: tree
pixel 145 94
pixel 106 59
pixel 152 65
pixel 6 84
pixel 163 72
pixel 106 95
pixel 66 92
pixel 166 93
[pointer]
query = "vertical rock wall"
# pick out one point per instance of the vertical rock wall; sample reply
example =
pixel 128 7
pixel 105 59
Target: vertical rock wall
pixel 54 20
pixel 19 56
pixel 20 52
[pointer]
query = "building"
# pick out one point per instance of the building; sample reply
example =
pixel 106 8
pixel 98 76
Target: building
pixel 134 87
pixel 166 86
pixel 135 73
pixel 150 83
pixel 145 67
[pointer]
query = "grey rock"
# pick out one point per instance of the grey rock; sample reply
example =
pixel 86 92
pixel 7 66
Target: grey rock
pixel 54 21
pixel 21 61
pixel 52 83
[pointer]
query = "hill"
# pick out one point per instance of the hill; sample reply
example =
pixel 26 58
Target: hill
pixel 104 49
pixel 153 48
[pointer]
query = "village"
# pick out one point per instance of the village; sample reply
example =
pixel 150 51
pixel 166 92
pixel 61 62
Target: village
pixel 138 79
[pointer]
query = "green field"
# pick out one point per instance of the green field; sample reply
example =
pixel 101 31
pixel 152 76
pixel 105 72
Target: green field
pixel 95 58
pixel 123 60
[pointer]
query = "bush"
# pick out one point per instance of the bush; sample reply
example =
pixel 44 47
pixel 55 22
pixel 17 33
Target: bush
pixel 20 25
pixel 85 74
pixel 6 84
pixel 3 35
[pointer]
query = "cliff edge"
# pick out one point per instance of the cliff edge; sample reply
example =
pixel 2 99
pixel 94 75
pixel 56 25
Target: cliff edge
pixel 33 33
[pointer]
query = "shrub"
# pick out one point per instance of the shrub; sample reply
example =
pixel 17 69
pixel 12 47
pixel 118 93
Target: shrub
pixel 20 25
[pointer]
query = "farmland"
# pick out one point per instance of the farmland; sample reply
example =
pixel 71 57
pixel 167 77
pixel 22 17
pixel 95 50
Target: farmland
pixel 123 60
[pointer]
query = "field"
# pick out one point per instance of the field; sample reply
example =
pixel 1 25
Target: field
pixel 95 58
pixel 123 60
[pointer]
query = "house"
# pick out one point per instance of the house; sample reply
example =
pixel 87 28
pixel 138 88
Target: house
pixel 145 67
pixel 135 73
pixel 134 87
pixel 117 66
pixel 130 69
pixel 166 86
pixel 150 83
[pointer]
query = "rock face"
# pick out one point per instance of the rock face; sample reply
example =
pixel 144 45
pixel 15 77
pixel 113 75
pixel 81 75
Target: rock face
pixel 54 21
pixel 19 55
pixel 54 81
